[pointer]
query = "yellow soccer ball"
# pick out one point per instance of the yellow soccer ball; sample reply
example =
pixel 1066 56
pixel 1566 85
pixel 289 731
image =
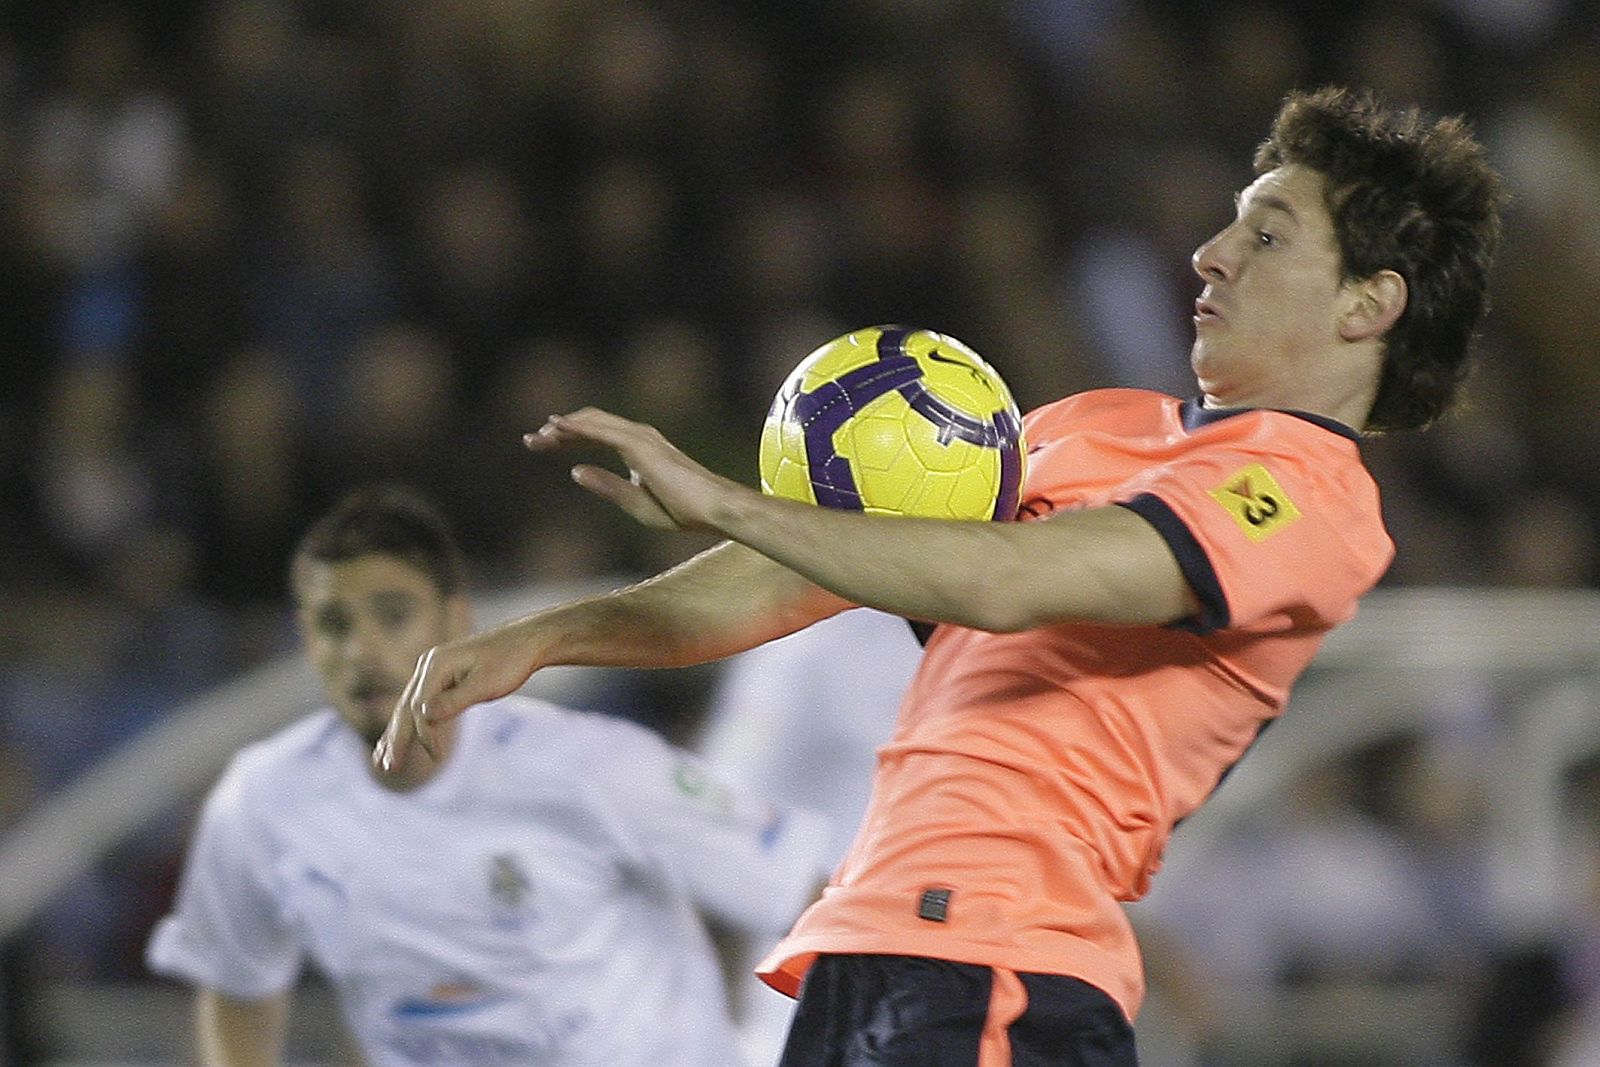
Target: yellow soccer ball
pixel 896 421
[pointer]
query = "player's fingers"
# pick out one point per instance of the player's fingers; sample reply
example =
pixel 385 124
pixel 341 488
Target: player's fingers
pixel 602 427
pixel 432 674
pixel 585 424
pixel 590 419
pixel 626 494
pixel 390 752
pixel 603 483
pixel 549 437
pixel 442 690
pixel 445 704
pixel 423 730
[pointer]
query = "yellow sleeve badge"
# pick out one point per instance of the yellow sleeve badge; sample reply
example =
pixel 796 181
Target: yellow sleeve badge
pixel 1256 501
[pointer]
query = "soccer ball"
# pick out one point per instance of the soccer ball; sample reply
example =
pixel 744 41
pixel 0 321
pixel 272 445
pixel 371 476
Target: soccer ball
pixel 896 421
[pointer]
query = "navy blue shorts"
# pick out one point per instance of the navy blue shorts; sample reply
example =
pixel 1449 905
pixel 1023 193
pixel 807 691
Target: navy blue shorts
pixel 905 1011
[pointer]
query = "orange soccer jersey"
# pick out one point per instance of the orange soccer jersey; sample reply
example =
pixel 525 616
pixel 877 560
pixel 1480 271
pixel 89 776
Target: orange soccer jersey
pixel 1033 779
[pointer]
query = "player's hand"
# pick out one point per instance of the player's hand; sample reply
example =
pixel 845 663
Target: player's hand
pixel 665 488
pixel 448 680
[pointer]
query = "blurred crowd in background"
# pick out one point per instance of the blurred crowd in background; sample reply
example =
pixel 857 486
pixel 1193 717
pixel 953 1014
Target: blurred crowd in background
pixel 253 252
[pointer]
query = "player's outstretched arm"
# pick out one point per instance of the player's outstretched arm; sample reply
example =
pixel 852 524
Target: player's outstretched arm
pixel 1100 565
pixel 725 600
pixel 231 1032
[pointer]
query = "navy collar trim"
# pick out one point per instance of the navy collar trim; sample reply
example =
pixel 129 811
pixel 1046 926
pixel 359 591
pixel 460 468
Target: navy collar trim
pixel 1195 415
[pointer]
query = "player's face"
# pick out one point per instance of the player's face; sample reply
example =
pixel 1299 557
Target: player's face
pixel 365 622
pixel 1273 296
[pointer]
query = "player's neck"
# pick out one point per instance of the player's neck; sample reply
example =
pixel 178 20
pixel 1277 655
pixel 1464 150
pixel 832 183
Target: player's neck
pixel 1346 399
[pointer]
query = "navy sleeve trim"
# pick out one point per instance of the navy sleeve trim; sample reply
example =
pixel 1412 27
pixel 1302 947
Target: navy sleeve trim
pixel 1192 560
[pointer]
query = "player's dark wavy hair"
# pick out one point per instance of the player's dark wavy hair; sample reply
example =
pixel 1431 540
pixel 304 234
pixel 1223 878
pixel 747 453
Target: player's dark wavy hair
pixel 387 520
pixel 1410 195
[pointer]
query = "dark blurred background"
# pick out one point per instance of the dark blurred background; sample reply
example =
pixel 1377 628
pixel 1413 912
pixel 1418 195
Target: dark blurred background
pixel 255 251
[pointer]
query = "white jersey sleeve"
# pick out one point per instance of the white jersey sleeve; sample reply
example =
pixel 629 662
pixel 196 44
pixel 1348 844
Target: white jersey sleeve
pixel 801 718
pixel 226 931
pixel 746 861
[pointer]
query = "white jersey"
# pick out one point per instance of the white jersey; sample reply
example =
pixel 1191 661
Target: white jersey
pixel 802 717
pixel 532 904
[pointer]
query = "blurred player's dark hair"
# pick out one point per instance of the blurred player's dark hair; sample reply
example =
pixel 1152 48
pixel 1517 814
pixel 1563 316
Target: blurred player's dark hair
pixel 387 520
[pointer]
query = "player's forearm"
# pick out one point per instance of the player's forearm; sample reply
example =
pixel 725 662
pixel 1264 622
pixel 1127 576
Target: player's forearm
pixel 1106 565
pixel 723 601
pixel 916 568
pixel 230 1032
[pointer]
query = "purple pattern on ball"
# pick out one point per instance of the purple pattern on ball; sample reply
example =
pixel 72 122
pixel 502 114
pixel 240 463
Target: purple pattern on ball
pixel 823 411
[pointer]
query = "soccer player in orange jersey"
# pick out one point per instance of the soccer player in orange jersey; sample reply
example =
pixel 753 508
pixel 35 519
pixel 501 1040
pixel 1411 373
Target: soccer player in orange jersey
pixel 1097 668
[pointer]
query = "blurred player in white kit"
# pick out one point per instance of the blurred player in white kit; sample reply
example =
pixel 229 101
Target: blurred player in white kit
pixel 528 895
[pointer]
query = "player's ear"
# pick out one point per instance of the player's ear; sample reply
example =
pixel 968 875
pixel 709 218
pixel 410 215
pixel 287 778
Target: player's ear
pixel 1376 304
